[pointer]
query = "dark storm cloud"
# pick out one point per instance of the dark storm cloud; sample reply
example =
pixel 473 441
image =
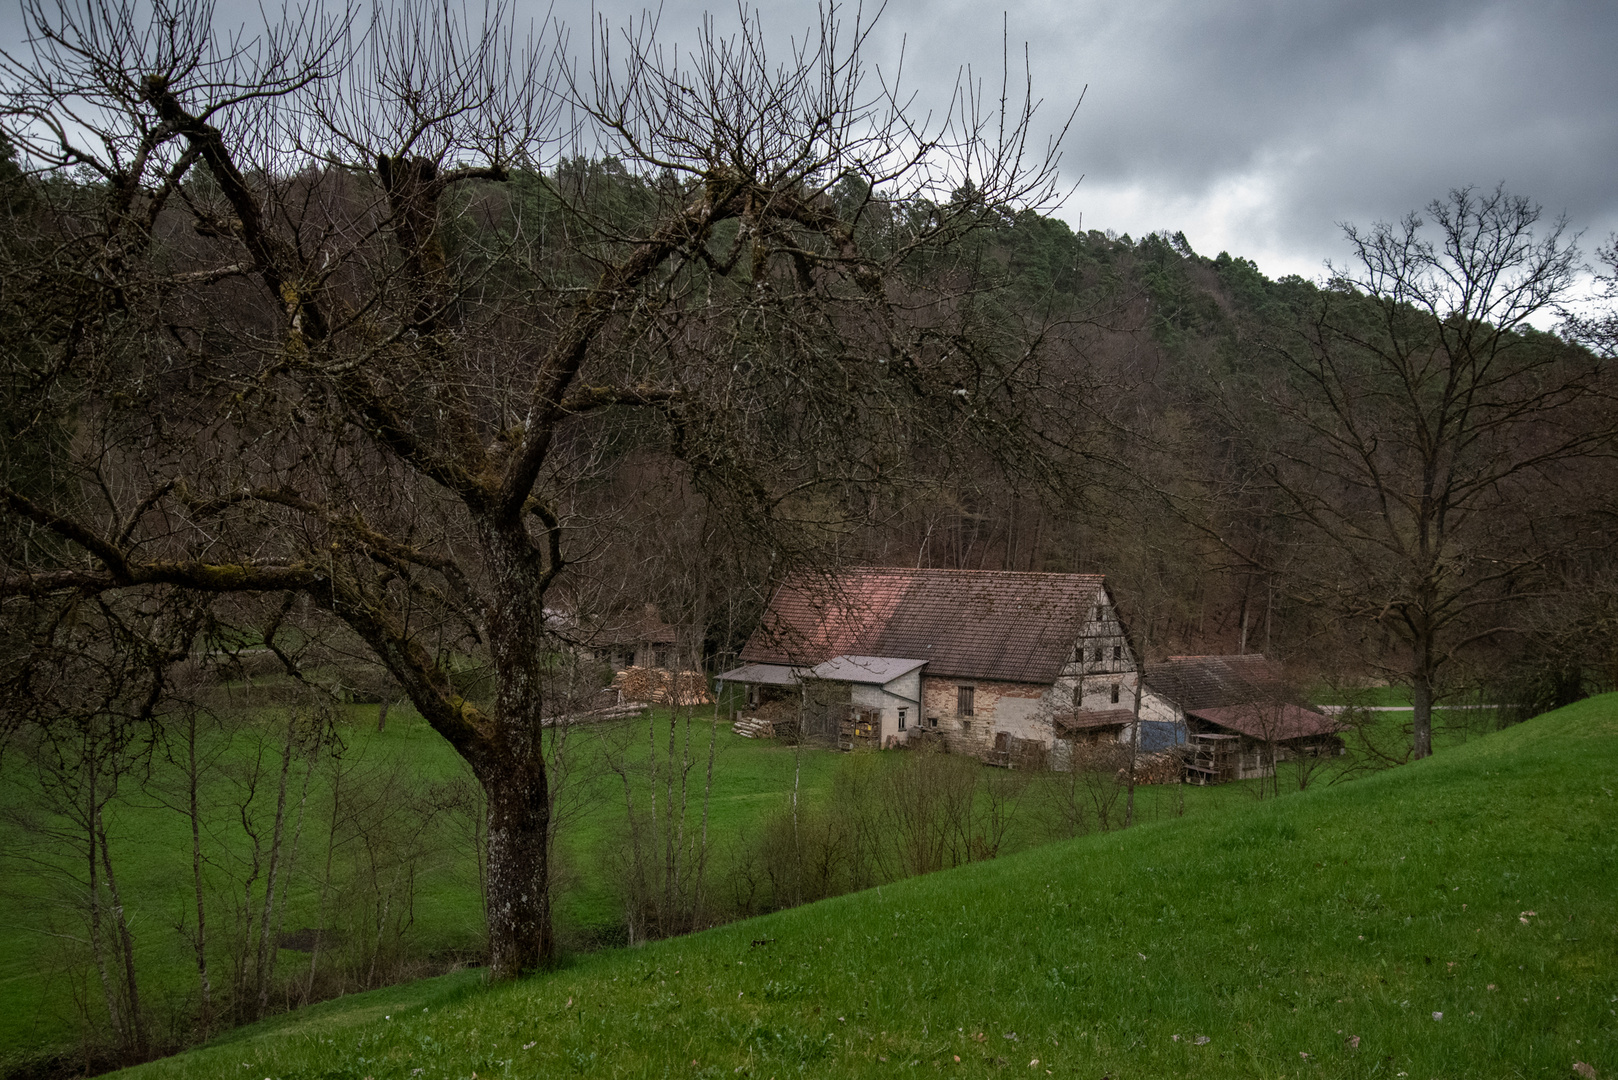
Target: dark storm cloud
pixel 1257 125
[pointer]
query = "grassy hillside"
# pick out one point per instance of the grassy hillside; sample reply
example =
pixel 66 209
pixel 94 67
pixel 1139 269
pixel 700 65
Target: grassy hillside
pixel 1452 918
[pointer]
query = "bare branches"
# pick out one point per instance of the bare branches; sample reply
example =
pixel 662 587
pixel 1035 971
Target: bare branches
pixel 1420 410
pixel 362 333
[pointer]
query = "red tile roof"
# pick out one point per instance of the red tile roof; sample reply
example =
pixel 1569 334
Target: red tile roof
pixel 975 624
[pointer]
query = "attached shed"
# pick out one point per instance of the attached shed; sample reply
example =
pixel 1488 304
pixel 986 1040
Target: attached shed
pixel 1240 714
pixel 884 691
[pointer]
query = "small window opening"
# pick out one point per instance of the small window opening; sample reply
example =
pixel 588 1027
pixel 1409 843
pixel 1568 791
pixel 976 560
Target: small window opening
pixel 901 719
pixel 1078 696
pixel 963 700
pixel 1115 693
pixel 1098 654
pixel 932 721
pixel 1117 652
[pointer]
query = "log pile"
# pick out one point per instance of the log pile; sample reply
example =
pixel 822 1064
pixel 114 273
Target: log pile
pixel 752 727
pixel 1163 767
pixel 660 686
pixel 595 716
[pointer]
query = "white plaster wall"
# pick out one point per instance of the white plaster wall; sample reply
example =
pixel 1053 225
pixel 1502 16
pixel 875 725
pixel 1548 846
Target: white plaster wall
pixel 1153 707
pixel 1024 718
pixel 902 693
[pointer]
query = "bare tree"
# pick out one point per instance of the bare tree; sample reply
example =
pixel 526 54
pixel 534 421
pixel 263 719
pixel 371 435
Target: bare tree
pixel 330 316
pixel 1419 420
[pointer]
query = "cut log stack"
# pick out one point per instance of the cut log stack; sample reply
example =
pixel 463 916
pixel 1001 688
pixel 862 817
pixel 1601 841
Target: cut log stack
pixel 751 727
pixel 595 716
pixel 1163 767
pixel 661 686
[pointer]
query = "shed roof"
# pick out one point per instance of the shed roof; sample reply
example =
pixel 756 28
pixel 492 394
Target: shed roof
pixel 633 628
pixel 1199 682
pixel 764 675
pixel 1090 719
pixel 876 670
pixel 1274 723
pixel 979 624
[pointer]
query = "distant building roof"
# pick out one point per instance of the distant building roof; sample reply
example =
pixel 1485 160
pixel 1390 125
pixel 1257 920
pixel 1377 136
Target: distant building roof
pixel 1248 694
pixel 977 624
pixel 765 675
pixel 645 625
pixel 876 670
pixel 1198 682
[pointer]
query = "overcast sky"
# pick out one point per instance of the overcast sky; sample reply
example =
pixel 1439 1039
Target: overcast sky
pixel 1256 126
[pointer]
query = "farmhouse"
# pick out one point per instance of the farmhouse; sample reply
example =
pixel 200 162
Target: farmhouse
pixel 1239 713
pixel 989 660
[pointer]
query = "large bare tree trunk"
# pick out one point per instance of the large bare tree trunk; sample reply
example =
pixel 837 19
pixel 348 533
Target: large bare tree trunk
pixel 1421 701
pixel 511 761
pixel 519 905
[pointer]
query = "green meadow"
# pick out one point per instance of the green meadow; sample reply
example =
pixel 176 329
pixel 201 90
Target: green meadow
pixel 1456 917
pixel 50 1003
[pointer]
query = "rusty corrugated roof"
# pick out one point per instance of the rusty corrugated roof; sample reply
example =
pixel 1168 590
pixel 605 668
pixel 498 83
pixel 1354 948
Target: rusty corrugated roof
pixel 1274 723
pixel 975 624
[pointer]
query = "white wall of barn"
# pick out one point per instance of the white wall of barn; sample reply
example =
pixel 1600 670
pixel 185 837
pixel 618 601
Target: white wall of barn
pixel 902 693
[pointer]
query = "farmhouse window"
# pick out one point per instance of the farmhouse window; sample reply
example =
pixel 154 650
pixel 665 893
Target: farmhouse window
pixel 901 719
pixel 1078 696
pixel 1115 693
pixel 932 721
pixel 1117 652
pixel 963 700
pixel 1098 654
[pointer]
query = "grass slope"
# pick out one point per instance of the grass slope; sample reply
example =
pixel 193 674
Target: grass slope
pixel 1278 935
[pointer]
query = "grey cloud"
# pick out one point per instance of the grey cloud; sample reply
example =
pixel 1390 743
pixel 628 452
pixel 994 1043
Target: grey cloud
pixel 1257 125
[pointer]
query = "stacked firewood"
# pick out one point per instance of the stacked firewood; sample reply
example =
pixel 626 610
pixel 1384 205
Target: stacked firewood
pixel 1163 767
pixel 752 727
pixel 661 686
